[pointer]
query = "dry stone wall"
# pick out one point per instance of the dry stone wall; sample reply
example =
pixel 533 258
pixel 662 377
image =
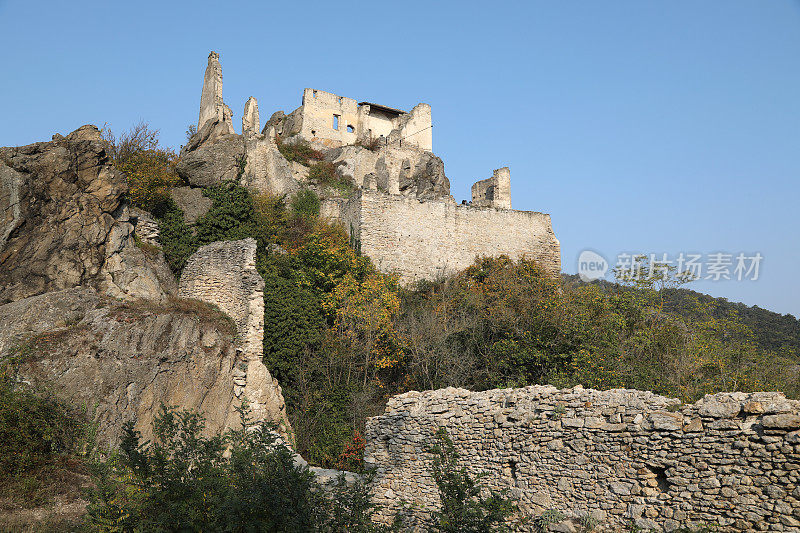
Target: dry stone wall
pixel 424 239
pixel 731 460
pixel 224 274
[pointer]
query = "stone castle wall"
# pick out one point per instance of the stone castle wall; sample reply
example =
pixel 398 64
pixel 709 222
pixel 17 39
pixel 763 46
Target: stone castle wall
pixel 224 274
pixel 731 460
pixel 424 239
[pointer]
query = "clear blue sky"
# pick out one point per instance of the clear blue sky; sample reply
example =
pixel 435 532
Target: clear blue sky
pixel 669 126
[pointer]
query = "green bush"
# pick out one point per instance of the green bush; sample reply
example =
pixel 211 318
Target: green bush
pixel 177 239
pixel 351 508
pixel 234 214
pixel 305 204
pixel 40 440
pixel 465 508
pixel 149 168
pixel 243 480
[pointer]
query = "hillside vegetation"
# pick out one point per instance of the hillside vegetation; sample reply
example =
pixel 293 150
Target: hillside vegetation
pixel 772 331
pixel 341 337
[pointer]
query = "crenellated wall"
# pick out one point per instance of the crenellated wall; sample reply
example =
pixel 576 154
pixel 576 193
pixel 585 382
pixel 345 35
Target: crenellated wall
pixel 731 460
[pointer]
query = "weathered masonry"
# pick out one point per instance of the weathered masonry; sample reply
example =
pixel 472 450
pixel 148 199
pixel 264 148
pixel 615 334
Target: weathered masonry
pixel 731 460
pixel 425 239
pixel 400 211
pixel 224 274
pixel 335 120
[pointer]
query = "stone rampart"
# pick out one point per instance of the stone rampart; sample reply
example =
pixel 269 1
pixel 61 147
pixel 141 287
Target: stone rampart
pixel 731 460
pixel 425 239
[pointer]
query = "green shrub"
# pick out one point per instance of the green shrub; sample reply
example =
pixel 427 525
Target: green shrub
pixel 40 440
pixel 351 508
pixel 234 214
pixel 305 204
pixel 464 506
pixel 177 239
pixel 231 216
pixel 243 480
pixel 299 150
pixel 548 518
pixel 324 173
pixel 149 168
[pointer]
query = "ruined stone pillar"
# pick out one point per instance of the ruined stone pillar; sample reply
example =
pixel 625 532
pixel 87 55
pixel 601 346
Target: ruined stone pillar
pixel 211 105
pixel 251 123
pixel 502 188
pixel 224 274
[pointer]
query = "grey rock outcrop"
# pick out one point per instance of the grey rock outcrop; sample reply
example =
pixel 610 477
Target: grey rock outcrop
pixel 64 223
pixel 424 177
pixel 215 153
pixel 125 359
pixel 391 169
pixel 131 272
pixel 192 202
pixel 266 169
pixel 210 158
pixel 284 125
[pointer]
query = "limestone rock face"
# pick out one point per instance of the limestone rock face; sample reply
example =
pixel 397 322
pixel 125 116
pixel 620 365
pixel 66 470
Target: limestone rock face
pixel 127 358
pixel 266 169
pixel 355 163
pixel 211 157
pixel 192 202
pixel 63 224
pixel 284 125
pixel 132 272
pixel 406 171
pixel 224 274
pixel 424 178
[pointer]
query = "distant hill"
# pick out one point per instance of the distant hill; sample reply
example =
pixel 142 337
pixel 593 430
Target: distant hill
pixel 773 331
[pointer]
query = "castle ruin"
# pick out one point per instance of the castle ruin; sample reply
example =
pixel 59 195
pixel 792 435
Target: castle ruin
pixel 400 212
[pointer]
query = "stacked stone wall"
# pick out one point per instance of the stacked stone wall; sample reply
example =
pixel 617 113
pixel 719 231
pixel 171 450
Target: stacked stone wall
pixel 224 274
pixel 731 460
pixel 425 239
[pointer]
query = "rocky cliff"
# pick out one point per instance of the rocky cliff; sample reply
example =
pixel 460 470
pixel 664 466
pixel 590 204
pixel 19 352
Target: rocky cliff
pixel 63 223
pixel 122 360
pixel 87 313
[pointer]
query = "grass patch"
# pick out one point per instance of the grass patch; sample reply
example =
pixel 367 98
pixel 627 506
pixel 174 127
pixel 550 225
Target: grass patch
pixel 300 151
pixel 136 310
pixel 324 173
pixel 150 250
pixel 37 346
